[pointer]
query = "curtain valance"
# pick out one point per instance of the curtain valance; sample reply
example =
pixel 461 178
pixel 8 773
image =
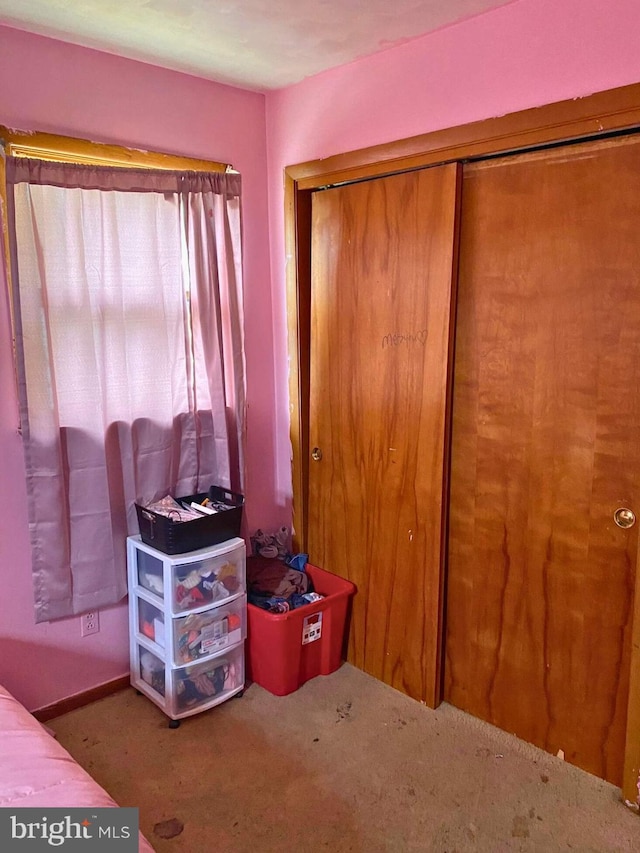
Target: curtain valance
pixel 91 177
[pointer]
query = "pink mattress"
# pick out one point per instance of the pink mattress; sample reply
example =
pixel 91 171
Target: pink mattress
pixel 36 771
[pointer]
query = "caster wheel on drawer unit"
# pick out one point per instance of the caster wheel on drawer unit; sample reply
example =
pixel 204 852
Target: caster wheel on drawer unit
pixel 174 724
pixel 239 695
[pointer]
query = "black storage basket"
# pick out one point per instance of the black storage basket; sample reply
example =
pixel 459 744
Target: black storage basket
pixel 178 537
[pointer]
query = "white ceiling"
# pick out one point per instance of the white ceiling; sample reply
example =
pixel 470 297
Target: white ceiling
pixel 255 44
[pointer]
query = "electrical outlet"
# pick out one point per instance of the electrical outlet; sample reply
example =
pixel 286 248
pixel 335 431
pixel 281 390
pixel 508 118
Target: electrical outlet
pixel 90 623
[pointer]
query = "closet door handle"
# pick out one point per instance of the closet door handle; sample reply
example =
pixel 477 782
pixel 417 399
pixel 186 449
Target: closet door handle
pixel 316 454
pixel 624 517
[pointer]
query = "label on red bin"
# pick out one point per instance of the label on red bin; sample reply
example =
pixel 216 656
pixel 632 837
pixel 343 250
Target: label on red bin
pixel 311 628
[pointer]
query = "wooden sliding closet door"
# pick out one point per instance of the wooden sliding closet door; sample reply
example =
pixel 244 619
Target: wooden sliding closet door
pixel 382 262
pixel 546 448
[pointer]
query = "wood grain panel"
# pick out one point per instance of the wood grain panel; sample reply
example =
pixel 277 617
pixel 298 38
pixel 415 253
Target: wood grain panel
pixel 382 259
pixel 631 773
pixel 545 447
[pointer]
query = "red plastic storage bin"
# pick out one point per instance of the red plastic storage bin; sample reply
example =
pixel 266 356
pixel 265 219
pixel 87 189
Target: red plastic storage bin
pixel 286 649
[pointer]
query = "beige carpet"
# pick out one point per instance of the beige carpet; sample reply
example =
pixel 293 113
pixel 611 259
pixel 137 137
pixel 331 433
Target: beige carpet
pixel 343 764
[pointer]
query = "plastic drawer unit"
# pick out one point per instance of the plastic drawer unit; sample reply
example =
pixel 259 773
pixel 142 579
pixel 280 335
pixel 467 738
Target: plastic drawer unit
pixel 188 624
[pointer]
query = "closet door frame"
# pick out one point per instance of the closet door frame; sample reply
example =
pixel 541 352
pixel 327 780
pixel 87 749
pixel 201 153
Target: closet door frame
pixel 604 113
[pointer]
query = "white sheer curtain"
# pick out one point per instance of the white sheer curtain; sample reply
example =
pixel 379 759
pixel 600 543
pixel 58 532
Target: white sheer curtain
pixel 130 358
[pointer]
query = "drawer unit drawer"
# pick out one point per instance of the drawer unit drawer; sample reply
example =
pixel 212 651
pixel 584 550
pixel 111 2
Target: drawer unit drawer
pixel 205 633
pixel 200 583
pixel 208 682
pixel 149 572
pixel 191 581
pixel 151 622
pixel 152 671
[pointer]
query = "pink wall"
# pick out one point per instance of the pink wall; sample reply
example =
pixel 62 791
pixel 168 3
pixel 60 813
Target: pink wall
pixel 525 54
pixel 60 88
